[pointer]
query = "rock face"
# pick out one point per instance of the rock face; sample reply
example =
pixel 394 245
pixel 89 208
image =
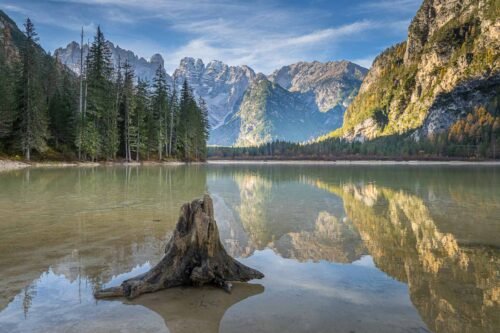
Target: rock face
pixel 448 66
pixel 144 69
pixel 221 86
pixel 334 84
pixel 10 38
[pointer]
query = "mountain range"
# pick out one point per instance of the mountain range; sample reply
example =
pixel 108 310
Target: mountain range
pixel 296 103
pixel 144 69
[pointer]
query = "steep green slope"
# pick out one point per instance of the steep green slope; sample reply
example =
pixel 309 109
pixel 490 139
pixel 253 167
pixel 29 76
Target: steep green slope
pixel 448 66
pixel 269 112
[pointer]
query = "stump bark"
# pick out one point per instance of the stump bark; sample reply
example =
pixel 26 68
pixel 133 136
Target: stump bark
pixel 193 256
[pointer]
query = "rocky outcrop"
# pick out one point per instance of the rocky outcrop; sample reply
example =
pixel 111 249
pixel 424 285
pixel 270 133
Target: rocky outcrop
pixel 10 37
pixel 448 66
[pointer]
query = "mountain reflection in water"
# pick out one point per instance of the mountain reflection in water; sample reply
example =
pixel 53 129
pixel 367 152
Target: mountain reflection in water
pixel 364 249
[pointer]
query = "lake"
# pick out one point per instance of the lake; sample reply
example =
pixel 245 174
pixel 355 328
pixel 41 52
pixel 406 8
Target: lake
pixel 343 248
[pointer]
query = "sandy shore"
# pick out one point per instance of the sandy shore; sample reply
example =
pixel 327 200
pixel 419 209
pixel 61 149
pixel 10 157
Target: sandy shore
pixel 12 165
pixel 353 162
pixel 6 165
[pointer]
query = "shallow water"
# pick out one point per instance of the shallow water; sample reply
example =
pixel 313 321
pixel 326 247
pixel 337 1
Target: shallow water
pixel 343 248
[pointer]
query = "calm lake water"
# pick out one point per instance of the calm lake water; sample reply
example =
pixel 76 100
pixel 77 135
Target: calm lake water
pixel 343 248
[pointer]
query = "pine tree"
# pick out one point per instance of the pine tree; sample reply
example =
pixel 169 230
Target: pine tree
pixel 127 109
pixel 32 108
pixel 101 107
pixel 160 110
pixel 174 111
pixel 183 142
pixel 192 126
pixel 62 97
pixel 138 132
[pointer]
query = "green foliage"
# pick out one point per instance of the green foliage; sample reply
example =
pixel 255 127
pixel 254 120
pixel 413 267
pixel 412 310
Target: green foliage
pixel 103 97
pixel 394 83
pixel 138 129
pixel 192 130
pixel 31 123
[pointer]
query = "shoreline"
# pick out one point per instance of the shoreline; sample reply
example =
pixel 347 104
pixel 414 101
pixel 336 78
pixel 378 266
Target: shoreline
pixel 9 165
pixel 354 162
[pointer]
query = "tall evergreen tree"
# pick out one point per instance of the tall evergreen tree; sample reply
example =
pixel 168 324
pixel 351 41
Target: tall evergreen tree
pixel 102 113
pixel 138 132
pixel 203 129
pixel 61 107
pixel 160 110
pixel 192 129
pixel 127 109
pixel 32 120
pixel 174 111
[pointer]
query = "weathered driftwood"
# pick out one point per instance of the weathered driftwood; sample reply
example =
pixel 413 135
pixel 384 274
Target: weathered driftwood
pixel 193 256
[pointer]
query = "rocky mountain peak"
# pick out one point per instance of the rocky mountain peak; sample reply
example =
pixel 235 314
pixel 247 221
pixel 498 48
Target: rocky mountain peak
pixel 70 56
pixel 157 59
pixel 331 82
pixel 220 85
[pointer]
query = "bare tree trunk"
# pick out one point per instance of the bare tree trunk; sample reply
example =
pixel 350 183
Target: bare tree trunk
pixel 193 256
pixel 138 143
pixel 80 106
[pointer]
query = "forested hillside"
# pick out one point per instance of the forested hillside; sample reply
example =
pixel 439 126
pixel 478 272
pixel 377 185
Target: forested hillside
pixel 48 112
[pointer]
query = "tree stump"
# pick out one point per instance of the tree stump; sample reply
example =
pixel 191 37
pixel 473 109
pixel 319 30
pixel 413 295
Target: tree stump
pixel 193 256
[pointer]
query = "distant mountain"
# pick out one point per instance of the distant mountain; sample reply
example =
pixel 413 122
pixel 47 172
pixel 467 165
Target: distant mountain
pixel 221 86
pixel 449 65
pixel 334 83
pixel 144 69
pixel 269 112
pixel 296 103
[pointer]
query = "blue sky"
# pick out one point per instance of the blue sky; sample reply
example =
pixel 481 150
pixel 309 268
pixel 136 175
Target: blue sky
pixel 264 35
